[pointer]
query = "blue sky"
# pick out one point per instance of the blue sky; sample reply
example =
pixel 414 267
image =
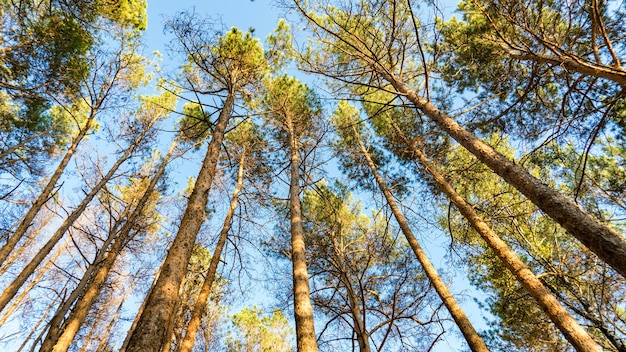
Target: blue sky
pixel 260 14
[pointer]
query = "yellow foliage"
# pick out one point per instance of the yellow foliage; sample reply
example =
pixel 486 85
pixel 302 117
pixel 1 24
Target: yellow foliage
pixel 128 13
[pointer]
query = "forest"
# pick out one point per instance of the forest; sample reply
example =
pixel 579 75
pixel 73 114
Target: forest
pixel 371 175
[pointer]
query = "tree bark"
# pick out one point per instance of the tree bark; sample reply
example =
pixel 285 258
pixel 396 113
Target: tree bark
pixel 605 242
pixel 303 309
pixel 205 291
pixel 358 317
pixel 571 63
pixel 474 340
pixel 572 331
pixel 153 326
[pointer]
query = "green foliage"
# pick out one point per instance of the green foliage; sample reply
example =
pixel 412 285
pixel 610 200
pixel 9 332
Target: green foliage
pixel 46 46
pixel 520 323
pixel 477 56
pixel 504 54
pixel 349 128
pixel 280 51
pixel 487 41
pixel 256 331
pixel 128 13
pixel 158 106
pixel 31 133
pixel 50 50
pixel 514 56
pixel 241 58
pixel 294 109
pixel 360 270
pixel 66 42
pixel 402 127
pixel 345 120
pixel 245 133
pixel 609 170
pixel 47 51
pixel 362 41
pixel 134 75
pixel 563 264
pixel 194 125
pixel 70 119
pixel 234 62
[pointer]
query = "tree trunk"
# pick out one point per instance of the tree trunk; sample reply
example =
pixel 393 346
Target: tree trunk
pixel 133 326
pixel 15 305
pixel 474 340
pixel 153 326
pixel 605 242
pixel 28 270
pixel 615 74
pixel 358 317
pixel 30 239
pixel 104 338
pixel 200 306
pixel 56 323
pixel 572 331
pixel 61 335
pixel 35 328
pixel 303 310
pixel 45 194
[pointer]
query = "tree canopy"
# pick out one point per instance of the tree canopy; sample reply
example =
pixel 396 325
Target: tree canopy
pixel 373 175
